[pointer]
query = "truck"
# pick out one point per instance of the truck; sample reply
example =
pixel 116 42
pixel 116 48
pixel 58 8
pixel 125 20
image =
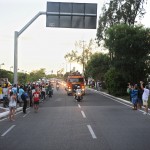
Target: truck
pixel 74 80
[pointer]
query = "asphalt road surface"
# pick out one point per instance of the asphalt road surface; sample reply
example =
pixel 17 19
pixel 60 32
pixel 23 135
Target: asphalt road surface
pixel 96 123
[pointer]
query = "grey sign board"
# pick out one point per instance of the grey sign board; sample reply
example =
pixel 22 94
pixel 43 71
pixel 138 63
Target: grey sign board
pixel 71 15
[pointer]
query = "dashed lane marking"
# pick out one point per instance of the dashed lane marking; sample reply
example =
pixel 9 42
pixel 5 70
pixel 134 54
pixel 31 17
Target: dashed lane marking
pixel 83 114
pixel 8 130
pixel 79 106
pixel 92 132
pixel 26 114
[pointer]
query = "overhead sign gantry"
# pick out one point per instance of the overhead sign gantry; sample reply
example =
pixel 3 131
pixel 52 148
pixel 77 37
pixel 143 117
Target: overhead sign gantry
pixel 71 15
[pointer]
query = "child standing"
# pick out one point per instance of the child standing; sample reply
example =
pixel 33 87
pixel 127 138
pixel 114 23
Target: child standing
pixel 12 106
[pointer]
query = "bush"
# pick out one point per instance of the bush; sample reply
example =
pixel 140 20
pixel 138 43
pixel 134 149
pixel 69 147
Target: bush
pixel 115 82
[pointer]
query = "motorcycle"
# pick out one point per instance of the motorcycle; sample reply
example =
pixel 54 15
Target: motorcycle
pixel 78 96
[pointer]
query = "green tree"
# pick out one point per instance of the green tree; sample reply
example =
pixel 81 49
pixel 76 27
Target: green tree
pixel 37 74
pixel 131 48
pixel 71 57
pixel 115 82
pixel 6 74
pixel 97 66
pixel 119 11
pixel 81 57
pixel 23 78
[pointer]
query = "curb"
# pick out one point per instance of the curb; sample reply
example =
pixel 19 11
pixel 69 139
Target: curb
pixel 4 114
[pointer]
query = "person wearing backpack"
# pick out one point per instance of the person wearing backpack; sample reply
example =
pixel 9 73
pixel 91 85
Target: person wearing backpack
pixel 24 97
pixel 21 91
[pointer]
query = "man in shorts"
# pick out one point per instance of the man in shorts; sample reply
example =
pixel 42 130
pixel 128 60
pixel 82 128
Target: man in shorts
pixel 145 96
pixel 36 98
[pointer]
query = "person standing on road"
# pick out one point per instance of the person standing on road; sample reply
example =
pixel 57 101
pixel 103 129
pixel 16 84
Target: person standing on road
pixel 36 98
pixel 134 96
pixel 145 96
pixel 30 95
pixel 1 93
pixel 24 97
pixel 12 106
pixel 14 89
pixel 5 96
pixel 21 91
pixel 49 90
pixel 140 93
pixel 43 92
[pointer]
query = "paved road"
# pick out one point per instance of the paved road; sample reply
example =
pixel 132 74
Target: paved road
pixel 97 123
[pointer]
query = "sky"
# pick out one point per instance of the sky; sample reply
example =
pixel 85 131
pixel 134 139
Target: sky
pixel 40 46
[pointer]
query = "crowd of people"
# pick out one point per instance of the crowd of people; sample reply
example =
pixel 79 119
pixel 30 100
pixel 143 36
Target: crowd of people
pixel 30 95
pixel 14 96
pixel 139 94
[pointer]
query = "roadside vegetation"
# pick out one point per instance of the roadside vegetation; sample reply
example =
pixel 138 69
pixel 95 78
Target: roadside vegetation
pixel 127 43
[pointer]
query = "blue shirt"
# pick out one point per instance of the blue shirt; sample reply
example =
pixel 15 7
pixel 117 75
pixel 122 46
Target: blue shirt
pixel 21 91
pixel 14 90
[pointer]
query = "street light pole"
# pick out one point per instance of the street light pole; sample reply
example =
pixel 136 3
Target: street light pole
pixel 15 57
pixel 16 35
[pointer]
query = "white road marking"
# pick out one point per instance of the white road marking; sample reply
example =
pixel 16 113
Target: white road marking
pixel 117 100
pixel 92 132
pixel 120 101
pixel 3 119
pixel 8 130
pixel 26 114
pixel 79 106
pixel 59 99
pixel 83 114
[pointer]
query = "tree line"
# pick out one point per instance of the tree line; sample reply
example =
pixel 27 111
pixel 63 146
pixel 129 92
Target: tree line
pixel 128 45
pixel 24 78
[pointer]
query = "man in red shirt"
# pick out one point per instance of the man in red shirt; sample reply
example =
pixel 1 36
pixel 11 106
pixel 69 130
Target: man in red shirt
pixel 36 98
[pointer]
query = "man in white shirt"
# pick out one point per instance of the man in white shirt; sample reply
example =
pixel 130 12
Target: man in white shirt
pixel 145 96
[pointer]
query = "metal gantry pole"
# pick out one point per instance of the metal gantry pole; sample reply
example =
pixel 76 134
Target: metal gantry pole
pixel 15 57
pixel 16 35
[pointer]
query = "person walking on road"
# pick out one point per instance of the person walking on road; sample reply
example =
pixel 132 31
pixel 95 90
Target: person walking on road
pixel 145 96
pixel 36 98
pixel 12 106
